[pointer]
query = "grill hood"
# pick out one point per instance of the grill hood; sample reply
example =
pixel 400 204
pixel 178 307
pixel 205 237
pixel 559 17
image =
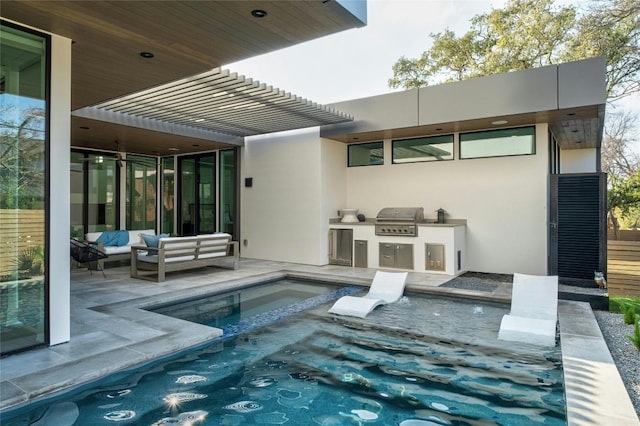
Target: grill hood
pixel 401 214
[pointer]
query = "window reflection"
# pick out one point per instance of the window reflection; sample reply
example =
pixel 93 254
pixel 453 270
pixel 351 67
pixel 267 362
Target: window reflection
pixel 23 80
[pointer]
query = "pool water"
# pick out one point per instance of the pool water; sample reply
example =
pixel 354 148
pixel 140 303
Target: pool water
pixel 420 361
pixel 220 310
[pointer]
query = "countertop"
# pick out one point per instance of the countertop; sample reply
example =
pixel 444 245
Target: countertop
pixel 426 222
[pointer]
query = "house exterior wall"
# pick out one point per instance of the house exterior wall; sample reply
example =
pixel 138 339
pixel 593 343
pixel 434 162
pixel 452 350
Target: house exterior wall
pixel 310 175
pixel 333 187
pixel 578 161
pixel 282 213
pixel 503 199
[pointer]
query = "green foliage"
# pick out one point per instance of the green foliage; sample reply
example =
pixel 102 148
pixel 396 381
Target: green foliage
pixel 616 302
pixel 30 262
pixel 533 33
pixel 628 313
pixel 624 193
pixel 635 337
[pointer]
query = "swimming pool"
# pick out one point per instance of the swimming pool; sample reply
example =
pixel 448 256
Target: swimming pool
pixel 220 310
pixel 421 361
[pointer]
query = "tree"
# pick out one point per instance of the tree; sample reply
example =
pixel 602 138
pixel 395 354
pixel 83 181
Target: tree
pixel 622 165
pixel 623 195
pixel 533 33
pixel 618 157
pixel 22 159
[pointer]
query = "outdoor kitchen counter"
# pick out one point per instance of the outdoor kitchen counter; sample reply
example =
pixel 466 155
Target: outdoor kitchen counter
pixel 447 240
pixel 372 222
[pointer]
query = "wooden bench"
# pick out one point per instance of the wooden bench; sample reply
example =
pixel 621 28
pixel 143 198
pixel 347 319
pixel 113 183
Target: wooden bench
pixel 183 253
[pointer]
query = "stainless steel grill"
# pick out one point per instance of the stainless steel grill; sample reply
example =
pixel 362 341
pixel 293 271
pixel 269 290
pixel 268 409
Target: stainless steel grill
pixel 399 221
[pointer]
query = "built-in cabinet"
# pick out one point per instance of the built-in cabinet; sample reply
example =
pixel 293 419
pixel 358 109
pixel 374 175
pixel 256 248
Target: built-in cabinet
pixel 393 255
pixel 340 247
pixel 438 248
pixel 435 260
pixel 360 255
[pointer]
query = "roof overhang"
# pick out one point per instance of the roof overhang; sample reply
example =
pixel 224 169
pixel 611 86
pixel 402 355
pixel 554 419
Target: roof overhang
pixel 215 106
pixel 185 36
pixel 569 97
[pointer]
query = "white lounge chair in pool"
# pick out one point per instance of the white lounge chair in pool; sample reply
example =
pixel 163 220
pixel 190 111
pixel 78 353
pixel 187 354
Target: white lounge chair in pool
pixel 387 287
pixel 534 310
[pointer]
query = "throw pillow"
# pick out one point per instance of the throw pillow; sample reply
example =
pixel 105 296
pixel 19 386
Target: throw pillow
pixel 153 241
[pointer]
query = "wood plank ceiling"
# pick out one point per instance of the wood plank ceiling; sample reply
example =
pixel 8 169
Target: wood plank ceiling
pixel 185 38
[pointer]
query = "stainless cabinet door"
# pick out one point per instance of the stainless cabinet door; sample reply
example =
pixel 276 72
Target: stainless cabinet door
pixel 404 256
pixel 360 254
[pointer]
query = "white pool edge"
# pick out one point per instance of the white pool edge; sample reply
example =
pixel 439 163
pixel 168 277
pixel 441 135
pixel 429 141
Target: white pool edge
pixel 594 389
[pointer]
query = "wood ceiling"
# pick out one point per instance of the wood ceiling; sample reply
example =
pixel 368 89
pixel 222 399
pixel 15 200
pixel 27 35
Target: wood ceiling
pixel 185 37
pixel 573 128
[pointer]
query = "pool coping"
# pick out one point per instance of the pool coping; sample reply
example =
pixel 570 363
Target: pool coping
pixel 595 393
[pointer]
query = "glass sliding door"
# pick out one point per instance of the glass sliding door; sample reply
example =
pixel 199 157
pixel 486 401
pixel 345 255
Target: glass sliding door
pixel 77 187
pixel 141 192
pixel 168 195
pixel 228 188
pixel 94 193
pixel 197 185
pixel 24 79
pixel 101 186
pixel 207 194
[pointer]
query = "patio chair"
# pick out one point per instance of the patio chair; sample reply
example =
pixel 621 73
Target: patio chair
pixel 386 287
pixel 84 253
pixel 534 310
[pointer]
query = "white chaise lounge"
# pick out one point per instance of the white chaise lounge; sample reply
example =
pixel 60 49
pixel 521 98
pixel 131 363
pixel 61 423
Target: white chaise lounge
pixel 534 310
pixel 387 287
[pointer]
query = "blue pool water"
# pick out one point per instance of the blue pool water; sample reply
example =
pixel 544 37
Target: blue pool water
pixel 420 361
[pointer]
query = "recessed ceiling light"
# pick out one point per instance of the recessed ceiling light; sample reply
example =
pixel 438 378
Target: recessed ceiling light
pixel 173 149
pixel 499 122
pixel 147 55
pixel 258 13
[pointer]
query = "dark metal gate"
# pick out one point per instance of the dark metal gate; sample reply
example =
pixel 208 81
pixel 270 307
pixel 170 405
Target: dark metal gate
pixel 578 232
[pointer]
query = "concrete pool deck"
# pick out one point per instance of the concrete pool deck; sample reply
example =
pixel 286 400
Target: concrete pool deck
pixel 110 332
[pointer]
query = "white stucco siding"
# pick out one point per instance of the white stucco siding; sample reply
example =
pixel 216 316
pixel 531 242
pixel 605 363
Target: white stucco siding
pixel 504 200
pixel 282 215
pixel 333 186
pixel 60 119
pixel 578 161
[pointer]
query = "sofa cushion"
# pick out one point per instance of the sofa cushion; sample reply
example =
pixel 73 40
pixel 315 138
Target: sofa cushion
pixel 114 238
pixel 111 250
pixel 153 258
pixel 153 240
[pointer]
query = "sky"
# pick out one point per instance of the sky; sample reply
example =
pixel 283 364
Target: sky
pixel 358 63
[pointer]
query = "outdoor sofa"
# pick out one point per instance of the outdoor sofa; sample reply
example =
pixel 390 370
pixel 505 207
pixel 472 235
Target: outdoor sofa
pixel 116 244
pixel 183 253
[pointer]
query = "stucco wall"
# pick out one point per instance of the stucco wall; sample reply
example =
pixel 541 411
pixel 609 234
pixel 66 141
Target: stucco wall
pixel 59 301
pixel 504 200
pixel 578 161
pixel 282 213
